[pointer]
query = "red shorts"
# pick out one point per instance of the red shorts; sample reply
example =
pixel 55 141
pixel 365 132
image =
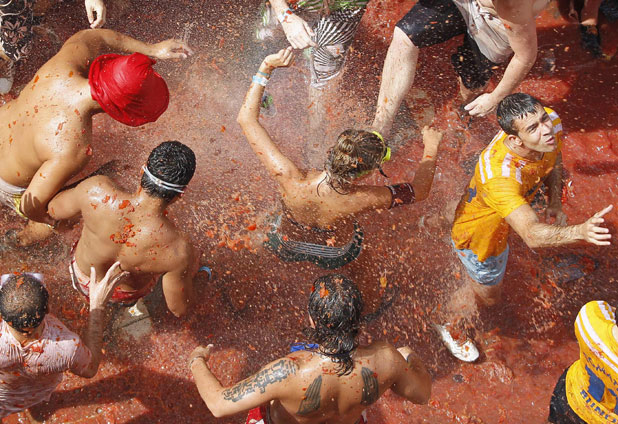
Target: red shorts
pixel 258 415
pixel 81 282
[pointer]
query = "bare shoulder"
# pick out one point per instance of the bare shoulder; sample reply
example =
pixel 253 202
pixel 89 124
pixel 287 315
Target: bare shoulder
pixel 181 251
pixel 383 354
pixel 99 184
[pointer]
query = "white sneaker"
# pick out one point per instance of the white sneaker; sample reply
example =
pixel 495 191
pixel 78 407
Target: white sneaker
pixel 138 310
pixel 465 351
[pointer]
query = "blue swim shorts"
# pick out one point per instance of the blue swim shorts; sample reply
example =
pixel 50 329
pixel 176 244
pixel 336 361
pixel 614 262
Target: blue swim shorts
pixel 490 272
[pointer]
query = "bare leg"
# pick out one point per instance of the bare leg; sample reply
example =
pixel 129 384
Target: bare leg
pixel 397 78
pixel 590 12
pixel 33 232
pixel 467 95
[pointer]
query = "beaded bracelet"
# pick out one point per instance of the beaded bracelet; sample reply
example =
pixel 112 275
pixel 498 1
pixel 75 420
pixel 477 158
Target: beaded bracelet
pixel 257 79
pixel 282 17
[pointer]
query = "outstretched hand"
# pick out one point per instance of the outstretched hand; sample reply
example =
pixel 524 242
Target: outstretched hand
pixel 593 233
pixel 98 7
pixel 280 59
pixel 171 49
pixel 482 105
pixel 101 291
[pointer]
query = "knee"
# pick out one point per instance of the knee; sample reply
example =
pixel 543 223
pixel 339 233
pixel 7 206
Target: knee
pixel 402 43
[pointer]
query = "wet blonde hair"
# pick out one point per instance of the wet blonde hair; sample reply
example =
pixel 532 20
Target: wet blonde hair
pixel 356 151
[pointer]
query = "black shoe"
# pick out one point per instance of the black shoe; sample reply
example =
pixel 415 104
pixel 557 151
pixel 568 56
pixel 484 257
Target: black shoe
pixel 591 39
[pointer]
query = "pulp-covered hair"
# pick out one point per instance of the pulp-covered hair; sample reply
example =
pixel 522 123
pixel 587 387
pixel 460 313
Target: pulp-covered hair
pixel 356 151
pixel 335 306
pixel 172 162
pixel 515 106
pixel 23 302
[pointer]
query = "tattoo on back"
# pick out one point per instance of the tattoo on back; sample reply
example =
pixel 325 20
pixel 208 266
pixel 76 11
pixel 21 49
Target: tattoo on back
pixel 311 401
pixel 277 372
pixel 371 390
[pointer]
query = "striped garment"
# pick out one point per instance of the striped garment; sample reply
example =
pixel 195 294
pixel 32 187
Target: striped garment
pixel 332 5
pixel 592 381
pixel 502 182
pixel 334 23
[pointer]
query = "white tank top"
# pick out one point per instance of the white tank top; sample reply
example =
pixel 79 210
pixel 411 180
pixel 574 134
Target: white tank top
pixel 486 29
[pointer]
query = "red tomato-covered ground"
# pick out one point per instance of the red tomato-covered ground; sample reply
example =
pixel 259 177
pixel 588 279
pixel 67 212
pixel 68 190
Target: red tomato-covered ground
pixel 256 305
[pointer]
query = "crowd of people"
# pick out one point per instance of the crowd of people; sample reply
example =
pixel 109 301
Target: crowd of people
pixel 331 378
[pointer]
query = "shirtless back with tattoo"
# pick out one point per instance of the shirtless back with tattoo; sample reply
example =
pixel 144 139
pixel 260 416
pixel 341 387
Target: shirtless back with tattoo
pixel 46 138
pixel 331 381
pixel 133 228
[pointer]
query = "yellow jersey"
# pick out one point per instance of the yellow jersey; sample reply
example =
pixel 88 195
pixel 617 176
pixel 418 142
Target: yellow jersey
pixel 592 381
pixel 502 182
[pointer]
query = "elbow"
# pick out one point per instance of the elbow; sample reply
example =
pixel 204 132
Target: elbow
pixel 420 196
pixel 179 311
pixel 217 412
pixel 243 119
pixel 531 241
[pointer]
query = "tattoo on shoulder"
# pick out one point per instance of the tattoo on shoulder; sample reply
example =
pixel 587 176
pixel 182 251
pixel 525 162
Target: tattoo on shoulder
pixel 311 401
pixel 371 390
pixel 275 373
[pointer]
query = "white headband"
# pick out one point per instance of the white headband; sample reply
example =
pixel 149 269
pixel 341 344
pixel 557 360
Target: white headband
pixel 178 188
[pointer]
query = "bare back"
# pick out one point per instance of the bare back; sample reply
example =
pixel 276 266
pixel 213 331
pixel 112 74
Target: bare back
pixel 119 227
pixel 318 395
pixel 312 202
pixel 51 119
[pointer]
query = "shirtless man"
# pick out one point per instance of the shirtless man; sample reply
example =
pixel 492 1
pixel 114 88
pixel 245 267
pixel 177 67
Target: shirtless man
pixel 494 29
pixel 520 158
pixel 320 206
pixel 133 228
pixel 44 143
pixel 332 380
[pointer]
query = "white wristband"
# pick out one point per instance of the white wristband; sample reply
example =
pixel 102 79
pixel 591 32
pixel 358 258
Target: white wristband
pixel 260 80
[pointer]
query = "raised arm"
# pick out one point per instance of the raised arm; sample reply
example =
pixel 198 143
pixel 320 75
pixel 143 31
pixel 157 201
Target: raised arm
pixel 100 292
pixel 536 234
pixel 279 166
pixel 178 283
pixel 86 45
pixel 519 21
pixel 270 382
pixel 413 381
pixel 297 30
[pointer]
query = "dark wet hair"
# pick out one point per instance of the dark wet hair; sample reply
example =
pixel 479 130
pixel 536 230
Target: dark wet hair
pixel 23 302
pixel 356 151
pixel 172 162
pixel 515 106
pixel 335 306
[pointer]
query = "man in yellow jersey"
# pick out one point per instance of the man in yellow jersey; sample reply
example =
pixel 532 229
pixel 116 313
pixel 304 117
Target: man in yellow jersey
pixel 509 172
pixel 587 391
